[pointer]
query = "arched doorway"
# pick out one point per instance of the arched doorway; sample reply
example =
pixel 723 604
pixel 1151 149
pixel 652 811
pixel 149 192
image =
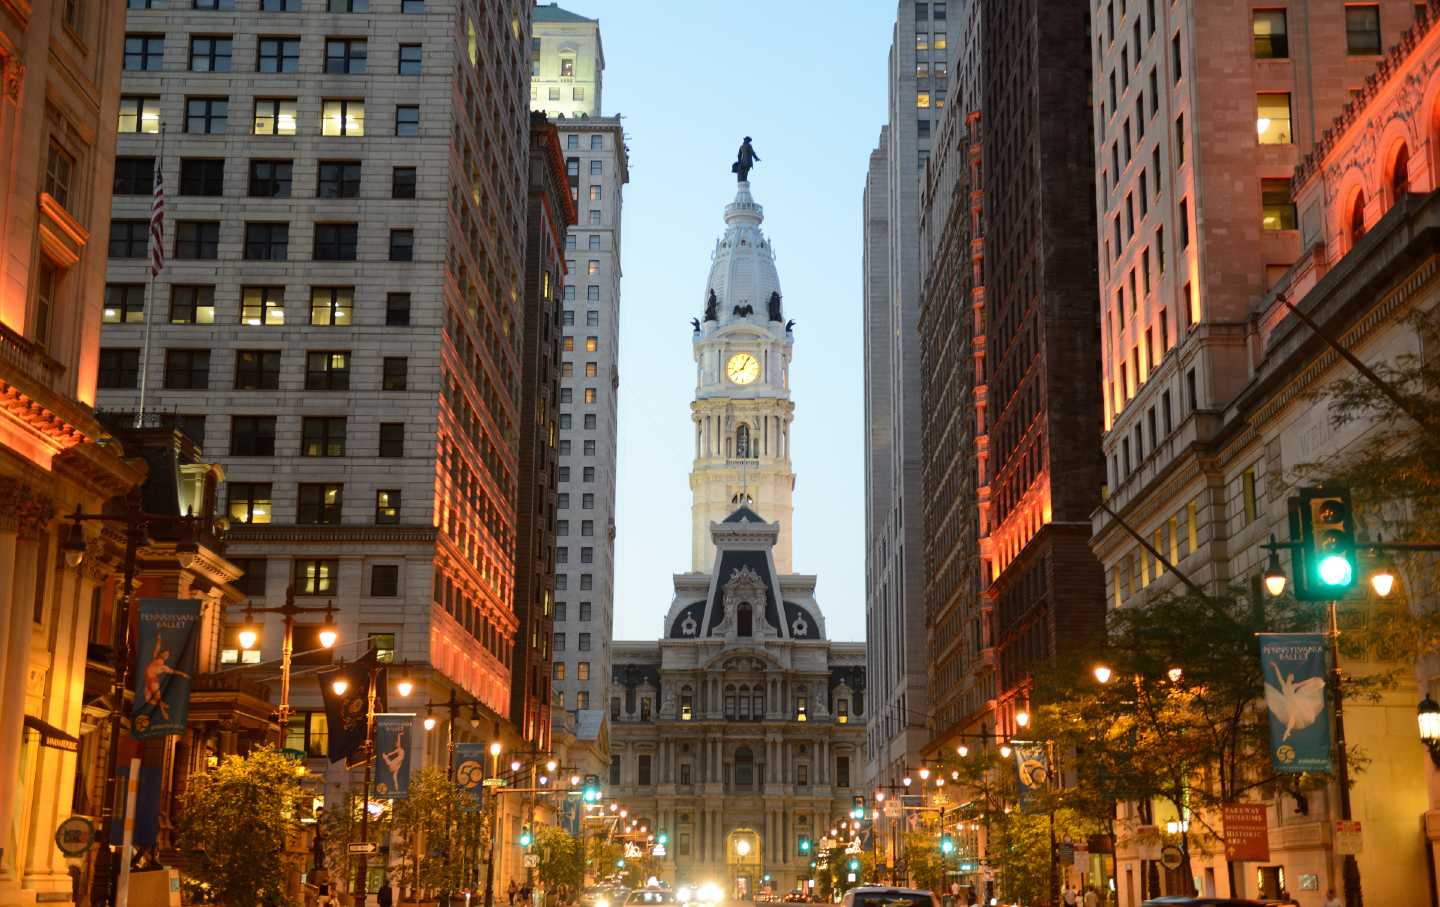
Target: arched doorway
pixel 744 859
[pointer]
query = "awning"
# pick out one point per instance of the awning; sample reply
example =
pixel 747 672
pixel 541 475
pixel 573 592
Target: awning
pixel 52 736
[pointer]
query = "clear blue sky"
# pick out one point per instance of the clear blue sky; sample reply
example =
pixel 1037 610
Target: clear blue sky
pixel 691 77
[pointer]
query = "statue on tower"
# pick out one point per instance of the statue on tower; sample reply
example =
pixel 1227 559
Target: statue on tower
pixel 711 304
pixel 744 160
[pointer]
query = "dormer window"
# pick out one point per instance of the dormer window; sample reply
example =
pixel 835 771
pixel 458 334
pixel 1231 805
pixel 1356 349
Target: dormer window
pixel 842 711
pixel 744 620
pixel 567 67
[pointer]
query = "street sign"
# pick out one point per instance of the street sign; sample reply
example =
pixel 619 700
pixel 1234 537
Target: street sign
pixel 892 809
pixel 658 850
pixel 495 782
pixel 1247 836
pixel 1082 857
pixel 1348 841
pixel 367 847
pixel 1171 857
pixel 532 860
pixel 75 835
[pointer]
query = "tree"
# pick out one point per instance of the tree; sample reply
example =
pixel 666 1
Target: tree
pixel 604 856
pixel 561 862
pixel 340 827
pixel 236 821
pixel 436 823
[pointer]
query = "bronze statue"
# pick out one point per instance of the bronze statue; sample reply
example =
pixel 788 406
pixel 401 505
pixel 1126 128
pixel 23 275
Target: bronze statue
pixel 710 306
pixel 695 323
pixel 790 325
pixel 744 160
pixel 775 307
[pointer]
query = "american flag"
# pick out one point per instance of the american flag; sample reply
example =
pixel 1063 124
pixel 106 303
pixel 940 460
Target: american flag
pixel 157 226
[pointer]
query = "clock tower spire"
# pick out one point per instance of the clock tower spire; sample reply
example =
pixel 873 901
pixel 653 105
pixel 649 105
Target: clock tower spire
pixel 742 409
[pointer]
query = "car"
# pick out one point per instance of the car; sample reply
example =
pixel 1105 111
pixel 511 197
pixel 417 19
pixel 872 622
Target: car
pixel 1172 900
pixel 883 896
pixel 650 897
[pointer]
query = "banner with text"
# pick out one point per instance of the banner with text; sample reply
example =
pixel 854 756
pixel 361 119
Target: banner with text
pixel 166 642
pixel 1294 666
pixel 1247 833
pixel 470 768
pixel 1034 773
pixel 392 754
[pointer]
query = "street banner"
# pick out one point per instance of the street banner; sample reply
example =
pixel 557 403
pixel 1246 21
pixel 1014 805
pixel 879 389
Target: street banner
pixel 167 640
pixel 345 712
pixel 570 816
pixel 1348 837
pixel 1294 668
pixel 1082 857
pixel 1247 834
pixel 1033 769
pixel 392 754
pixel 470 769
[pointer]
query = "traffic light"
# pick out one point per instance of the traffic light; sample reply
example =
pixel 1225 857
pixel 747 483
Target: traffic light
pixel 804 844
pixel 857 808
pixel 526 839
pixel 662 839
pixel 854 865
pixel 590 793
pixel 1325 564
pixel 947 845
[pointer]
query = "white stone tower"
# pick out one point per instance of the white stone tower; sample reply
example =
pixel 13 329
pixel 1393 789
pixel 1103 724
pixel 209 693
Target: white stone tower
pixel 742 407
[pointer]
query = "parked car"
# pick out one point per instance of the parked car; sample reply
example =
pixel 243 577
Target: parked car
pixel 1175 900
pixel 881 896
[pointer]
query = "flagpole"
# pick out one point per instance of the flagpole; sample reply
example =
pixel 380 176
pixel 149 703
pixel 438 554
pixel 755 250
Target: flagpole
pixel 156 249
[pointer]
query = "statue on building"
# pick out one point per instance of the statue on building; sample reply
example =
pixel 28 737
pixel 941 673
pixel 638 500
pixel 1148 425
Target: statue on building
pixel 711 304
pixel 775 307
pixel 695 323
pixel 744 160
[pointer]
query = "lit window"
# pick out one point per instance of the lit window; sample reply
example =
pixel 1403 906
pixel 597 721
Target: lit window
pixel 139 115
pixel 1272 41
pixel 1279 210
pixel 343 118
pixel 922 99
pixel 275 116
pixel 1272 118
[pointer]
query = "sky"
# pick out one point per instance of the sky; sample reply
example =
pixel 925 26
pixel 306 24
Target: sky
pixel 691 78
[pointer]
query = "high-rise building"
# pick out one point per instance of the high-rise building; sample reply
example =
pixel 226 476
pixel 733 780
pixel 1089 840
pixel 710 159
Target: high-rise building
pixel 549 214
pixel 1041 411
pixel 737 732
pixel 59 64
pixel 597 169
pixel 566 63
pixel 1202 112
pixel 918 75
pixel 339 319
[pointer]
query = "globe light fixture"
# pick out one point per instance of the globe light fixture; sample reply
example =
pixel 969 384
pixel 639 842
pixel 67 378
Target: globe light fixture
pixel 429 721
pixel 551 765
pixel 514 765
pixel 247 636
pixel 879 796
pixel 1383 579
pixel 906 781
pixel 963 750
pixel 574 780
pixel 924 774
pixel 1022 718
pixel 1274 576
pixel 495 749
pixel 328 635
pixel 1102 674
pixel 339 685
pixel 1429 720
pixel 404 686
pixel 1005 750
pixel 1175 674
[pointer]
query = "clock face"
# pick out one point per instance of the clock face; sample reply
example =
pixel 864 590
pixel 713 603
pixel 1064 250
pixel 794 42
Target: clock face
pixel 742 368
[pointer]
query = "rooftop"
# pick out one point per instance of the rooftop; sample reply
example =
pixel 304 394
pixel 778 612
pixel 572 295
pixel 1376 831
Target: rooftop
pixel 551 12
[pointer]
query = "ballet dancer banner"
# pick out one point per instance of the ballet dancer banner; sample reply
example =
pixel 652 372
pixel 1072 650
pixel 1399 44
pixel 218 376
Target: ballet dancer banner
pixel 169 634
pixel 1294 665
pixel 392 755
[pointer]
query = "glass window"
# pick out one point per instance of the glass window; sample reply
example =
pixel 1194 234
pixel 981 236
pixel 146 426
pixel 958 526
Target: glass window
pixel 392 439
pixel 192 304
pixel 328 371
pixel 320 504
pixel 1362 29
pixel 338 179
pixel 124 303
pixel 252 436
pixel 397 309
pixel 257 370
pixel 407 120
pixel 402 245
pixel 402 182
pixel 316 577
pixel 409 59
pixel 139 114
pixel 274 116
pixel 197 239
pixel 250 502
pixel 387 506
pixel 1272 118
pixel 144 52
pixel 278 55
pixel 1272 39
pixel 267 241
pixel 394 372
pixel 1279 210
pixel 134 176
pixel 385 583
pixel 206 116
pixel 210 54
pixel 336 242
pixel 343 117
pixel 202 176
pixel 262 306
pixel 270 179
pixel 119 368
pixel 345 56
pixel 187 369
pixel 332 306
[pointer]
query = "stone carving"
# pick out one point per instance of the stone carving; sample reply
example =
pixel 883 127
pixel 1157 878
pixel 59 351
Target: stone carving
pixel 744 310
pixel 800 626
pixel 23 509
pixel 688 627
pixel 775 307
pixel 711 304
pixel 744 585
pixel 14 76
pixel 745 159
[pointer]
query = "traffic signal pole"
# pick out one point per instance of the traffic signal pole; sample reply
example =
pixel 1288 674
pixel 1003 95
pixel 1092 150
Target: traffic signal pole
pixel 1350 868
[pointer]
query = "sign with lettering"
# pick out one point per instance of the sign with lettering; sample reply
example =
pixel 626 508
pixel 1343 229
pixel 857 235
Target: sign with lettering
pixel 1247 835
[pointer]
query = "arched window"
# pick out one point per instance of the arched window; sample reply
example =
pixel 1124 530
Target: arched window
pixel 744 768
pixel 730 702
pixel 1400 173
pixel 744 620
pixel 687 703
pixel 1357 218
pixel 742 442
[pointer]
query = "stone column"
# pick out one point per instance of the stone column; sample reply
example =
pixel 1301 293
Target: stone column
pixel 16 610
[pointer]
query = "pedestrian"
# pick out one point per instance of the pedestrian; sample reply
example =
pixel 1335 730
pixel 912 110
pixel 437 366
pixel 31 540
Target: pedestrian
pixel 1091 898
pixel 386 897
pixel 1332 900
pixel 1068 896
pixel 513 888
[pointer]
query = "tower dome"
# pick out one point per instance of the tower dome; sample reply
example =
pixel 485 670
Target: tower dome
pixel 742 267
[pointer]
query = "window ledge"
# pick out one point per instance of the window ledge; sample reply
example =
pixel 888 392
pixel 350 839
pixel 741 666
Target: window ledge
pixel 62 236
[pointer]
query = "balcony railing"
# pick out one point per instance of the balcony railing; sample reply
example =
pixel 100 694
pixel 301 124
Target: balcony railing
pixel 27 358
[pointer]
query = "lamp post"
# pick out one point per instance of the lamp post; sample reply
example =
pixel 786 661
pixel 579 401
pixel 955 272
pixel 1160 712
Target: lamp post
pixel 136 523
pixel 495 748
pixel 404 687
pixel 249 635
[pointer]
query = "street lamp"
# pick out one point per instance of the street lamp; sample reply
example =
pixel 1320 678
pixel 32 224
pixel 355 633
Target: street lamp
pixel 1022 718
pixel 1275 578
pixel 1175 674
pixel 249 635
pixel 1383 579
pixel 1429 719
pixel 963 750
pixel 1103 674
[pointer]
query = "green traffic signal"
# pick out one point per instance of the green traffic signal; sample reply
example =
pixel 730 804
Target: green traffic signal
pixel 804 845
pixel 526 839
pixel 947 845
pixel 662 838
pixel 1325 562
pixel 854 865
